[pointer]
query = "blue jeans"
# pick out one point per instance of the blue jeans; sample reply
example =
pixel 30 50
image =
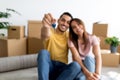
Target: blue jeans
pixel 54 70
pixel 89 63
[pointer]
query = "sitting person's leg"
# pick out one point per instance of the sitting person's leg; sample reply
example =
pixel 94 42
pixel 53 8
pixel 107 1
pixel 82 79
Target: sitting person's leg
pixel 70 71
pixel 58 67
pixel 89 63
pixel 44 65
pixel 55 70
pixel 50 70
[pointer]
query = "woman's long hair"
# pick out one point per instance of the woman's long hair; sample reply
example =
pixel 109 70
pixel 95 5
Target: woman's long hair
pixel 74 38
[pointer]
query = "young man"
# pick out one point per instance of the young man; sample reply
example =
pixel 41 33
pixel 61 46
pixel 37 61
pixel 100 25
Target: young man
pixel 52 62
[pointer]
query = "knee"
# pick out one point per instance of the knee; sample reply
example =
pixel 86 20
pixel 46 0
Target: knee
pixel 76 66
pixel 89 59
pixel 90 63
pixel 43 54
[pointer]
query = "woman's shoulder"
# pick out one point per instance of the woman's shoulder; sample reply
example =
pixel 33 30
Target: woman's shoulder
pixel 92 36
pixel 94 39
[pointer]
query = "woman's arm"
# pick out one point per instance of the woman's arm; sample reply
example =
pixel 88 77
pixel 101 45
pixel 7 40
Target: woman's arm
pixel 98 60
pixel 77 58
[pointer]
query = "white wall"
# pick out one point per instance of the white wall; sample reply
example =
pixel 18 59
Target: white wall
pixel 90 11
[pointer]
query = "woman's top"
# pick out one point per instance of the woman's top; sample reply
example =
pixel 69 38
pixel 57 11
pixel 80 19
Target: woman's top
pixel 93 40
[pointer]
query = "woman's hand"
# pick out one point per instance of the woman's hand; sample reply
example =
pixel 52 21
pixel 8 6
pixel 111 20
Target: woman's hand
pixel 96 75
pixel 92 76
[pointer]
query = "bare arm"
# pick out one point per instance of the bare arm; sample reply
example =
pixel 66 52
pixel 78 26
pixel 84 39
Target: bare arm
pixel 77 58
pixel 47 22
pixel 97 53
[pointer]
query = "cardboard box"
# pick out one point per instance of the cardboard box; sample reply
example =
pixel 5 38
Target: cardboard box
pixel 119 58
pixel 110 59
pixel 16 32
pixel 34 28
pixel 12 47
pixel 103 45
pixel 100 29
pixel 118 49
pixel 34 45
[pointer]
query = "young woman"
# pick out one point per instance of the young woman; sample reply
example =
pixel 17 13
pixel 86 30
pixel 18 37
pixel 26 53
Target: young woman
pixel 85 49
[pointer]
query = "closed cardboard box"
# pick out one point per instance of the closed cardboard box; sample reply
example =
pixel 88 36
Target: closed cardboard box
pixel 110 59
pixel 118 49
pixel 34 28
pixel 100 29
pixel 12 47
pixel 16 32
pixel 119 58
pixel 34 45
pixel 103 45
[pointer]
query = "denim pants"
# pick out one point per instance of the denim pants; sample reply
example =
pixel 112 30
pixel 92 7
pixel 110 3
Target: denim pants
pixel 89 63
pixel 54 70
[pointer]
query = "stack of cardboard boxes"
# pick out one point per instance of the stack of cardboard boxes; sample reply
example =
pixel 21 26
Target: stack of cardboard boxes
pixel 15 43
pixel 108 59
pixel 35 44
pixel 101 30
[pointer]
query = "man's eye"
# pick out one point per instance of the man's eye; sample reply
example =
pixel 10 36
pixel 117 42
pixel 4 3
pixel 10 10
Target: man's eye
pixel 68 22
pixel 62 20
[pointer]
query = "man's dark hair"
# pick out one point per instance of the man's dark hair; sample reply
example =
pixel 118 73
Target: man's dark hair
pixel 67 13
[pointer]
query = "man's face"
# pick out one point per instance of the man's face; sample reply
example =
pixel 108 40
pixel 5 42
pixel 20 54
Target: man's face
pixel 63 23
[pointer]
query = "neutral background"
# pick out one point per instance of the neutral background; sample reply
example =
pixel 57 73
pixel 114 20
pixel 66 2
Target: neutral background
pixel 90 11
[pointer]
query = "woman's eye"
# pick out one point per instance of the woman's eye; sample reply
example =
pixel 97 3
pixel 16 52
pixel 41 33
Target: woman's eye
pixel 73 27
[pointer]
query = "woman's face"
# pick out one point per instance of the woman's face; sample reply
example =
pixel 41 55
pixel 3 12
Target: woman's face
pixel 77 28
